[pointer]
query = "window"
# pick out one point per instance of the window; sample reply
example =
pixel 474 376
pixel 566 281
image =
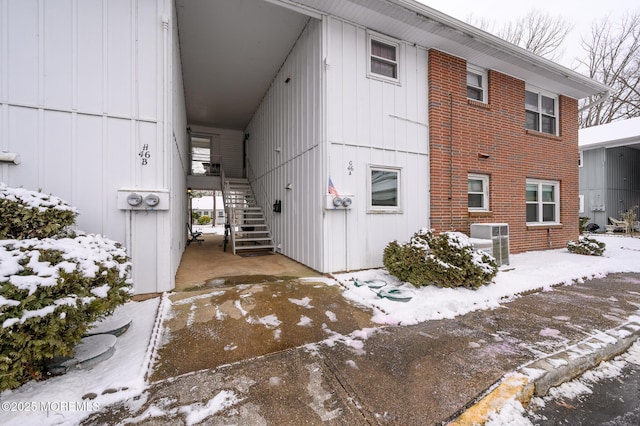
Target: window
pixel 543 202
pixel 581 159
pixel 383 58
pixel 542 111
pixel 204 155
pixel 476 84
pixel 384 189
pixel 478 192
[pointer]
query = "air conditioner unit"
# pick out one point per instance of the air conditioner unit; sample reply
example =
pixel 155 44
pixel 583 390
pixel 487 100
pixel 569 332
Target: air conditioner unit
pixel 498 233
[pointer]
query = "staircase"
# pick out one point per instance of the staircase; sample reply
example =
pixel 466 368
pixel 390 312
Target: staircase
pixel 248 230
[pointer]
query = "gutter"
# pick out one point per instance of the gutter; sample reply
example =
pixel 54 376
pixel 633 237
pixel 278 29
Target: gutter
pixel 429 14
pixel 601 97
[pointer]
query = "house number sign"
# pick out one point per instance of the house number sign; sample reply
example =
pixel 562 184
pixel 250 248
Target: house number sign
pixel 350 167
pixel 145 154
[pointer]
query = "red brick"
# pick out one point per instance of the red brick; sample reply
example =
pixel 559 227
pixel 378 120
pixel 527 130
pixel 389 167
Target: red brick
pixel 497 129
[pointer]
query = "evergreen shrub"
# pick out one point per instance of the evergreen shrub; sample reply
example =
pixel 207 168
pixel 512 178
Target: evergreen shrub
pixel 31 214
pixel 586 245
pixel 446 260
pixel 51 291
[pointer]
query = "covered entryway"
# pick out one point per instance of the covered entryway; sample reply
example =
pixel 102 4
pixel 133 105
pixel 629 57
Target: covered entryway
pixel 230 55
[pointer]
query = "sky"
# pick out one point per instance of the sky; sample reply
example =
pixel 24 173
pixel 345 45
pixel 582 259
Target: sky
pixel 582 13
pixel 137 349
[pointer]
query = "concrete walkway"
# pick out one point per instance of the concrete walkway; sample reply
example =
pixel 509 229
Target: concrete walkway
pixel 226 363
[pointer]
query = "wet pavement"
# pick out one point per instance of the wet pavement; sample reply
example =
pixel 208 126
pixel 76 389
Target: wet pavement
pixel 281 350
pixel 228 323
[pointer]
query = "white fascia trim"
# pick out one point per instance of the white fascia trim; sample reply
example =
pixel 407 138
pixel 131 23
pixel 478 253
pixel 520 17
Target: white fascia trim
pixel 500 44
pixel 296 7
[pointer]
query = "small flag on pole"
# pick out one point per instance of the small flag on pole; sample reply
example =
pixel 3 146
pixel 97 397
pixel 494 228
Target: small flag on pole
pixel 332 189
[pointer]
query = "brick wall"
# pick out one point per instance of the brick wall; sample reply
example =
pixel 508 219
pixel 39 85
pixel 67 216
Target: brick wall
pixel 460 129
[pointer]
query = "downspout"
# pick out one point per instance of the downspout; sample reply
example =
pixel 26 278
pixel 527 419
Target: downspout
pixel 451 161
pixel 602 97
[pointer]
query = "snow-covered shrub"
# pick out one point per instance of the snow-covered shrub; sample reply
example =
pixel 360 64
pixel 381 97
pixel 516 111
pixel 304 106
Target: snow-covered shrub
pixel 586 245
pixel 51 289
pixel 448 260
pixel 31 214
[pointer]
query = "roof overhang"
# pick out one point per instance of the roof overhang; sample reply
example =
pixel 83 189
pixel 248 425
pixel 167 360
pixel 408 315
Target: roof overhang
pixel 417 23
pixel 231 50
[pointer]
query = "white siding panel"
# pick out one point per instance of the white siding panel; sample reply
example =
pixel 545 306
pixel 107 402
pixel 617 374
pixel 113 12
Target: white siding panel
pixel 146 256
pixel 89 173
pixel 23 49
pixel 284 148
pixel 372 122
pixel 57 153
pixel 80 96
pixel 58 53
pixel 22 137
pixel 120 66
pixel 117 156
pixel 90 57
pixel 146 77
pixel 147 138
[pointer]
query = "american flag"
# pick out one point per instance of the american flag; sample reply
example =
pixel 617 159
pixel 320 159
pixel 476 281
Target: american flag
pixel 332 189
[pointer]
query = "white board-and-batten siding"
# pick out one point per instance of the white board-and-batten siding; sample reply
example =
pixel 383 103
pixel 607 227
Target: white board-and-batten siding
pixel 284 148
pixel 82 92
pixel 373 123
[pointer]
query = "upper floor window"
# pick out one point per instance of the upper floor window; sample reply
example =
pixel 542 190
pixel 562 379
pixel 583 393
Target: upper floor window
pixel 476 84
pixel 543 202
pixel 478 192
pixel 541 111
pixel 383 58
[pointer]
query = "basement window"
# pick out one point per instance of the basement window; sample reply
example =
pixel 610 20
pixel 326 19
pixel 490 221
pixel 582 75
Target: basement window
pixel 383 58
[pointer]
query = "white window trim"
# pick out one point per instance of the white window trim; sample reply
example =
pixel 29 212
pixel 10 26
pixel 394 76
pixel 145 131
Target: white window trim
pixel 485 193
pixel 483 73
pixel 556 103
pixel 581 202
pixel 390 42
pixel 384 209
pixel 540 203
pixel 581 159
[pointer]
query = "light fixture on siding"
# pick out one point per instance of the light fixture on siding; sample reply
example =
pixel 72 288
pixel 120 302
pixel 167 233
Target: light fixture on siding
pixel 287 80
pixel 288 186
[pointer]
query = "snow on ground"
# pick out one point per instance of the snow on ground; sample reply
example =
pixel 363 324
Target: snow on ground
pixel 526 272
pixel 65 400
pixel 209 229
pixel 123 375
